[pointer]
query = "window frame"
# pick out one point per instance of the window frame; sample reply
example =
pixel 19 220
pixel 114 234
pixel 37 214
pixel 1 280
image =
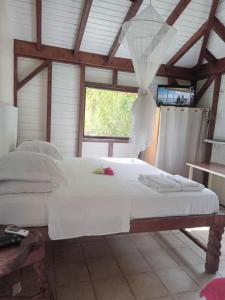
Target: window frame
pixel 104 86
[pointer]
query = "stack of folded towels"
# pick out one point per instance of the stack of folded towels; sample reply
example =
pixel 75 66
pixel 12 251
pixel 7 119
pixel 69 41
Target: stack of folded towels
pixel 170 183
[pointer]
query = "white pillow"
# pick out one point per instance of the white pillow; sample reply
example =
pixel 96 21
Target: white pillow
pixel 30 166
pixel 40 147
pixel 18 187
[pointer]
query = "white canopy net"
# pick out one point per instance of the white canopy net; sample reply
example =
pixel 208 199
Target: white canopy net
pixel 148 38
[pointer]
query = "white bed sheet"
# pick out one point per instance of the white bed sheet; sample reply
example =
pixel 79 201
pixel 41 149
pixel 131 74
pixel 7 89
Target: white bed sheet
pixel 24 209
pixel 31 209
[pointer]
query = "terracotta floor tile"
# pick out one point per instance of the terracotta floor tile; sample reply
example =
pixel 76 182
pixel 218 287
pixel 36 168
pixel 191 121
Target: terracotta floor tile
pixel 197 272
pixel 147 286
pixel 81 291
pixel 70 273
pixel 68 253
pixel 222 269
pixel 159 259
pixel 114 288
pixel 188 296
pixel 176 280
pixel 133 263
pixel 169 240
pixel 122 245
pixel 186 256
pixel 103 268
pixel 145 242
pixel 96 250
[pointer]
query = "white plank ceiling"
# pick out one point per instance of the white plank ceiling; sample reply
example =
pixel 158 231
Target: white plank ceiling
pixel 60 20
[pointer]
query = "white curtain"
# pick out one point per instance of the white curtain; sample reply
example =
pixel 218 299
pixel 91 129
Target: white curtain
pixel 148 39
pixel 181 136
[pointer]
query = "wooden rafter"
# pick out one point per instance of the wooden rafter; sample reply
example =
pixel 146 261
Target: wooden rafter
pixel 32 74
pixel 209 56
pixel 130 14
pixel 28 49
pixel 208 30
pixel 184 49
pixel 177 11
pixel 38 22
pixel 82 25
pixel 203 89
pixel 219 28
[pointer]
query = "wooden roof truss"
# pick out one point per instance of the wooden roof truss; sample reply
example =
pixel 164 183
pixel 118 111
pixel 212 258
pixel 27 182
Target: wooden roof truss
pixel 170 70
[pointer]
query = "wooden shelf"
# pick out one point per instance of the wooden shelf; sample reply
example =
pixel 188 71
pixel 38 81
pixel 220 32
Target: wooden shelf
pixel 214 142
pixel 212 168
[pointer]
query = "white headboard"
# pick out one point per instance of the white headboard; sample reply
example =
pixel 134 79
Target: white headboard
pixel 8 128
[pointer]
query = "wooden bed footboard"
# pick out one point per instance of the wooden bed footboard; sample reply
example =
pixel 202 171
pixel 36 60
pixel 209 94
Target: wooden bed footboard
pixel 216 222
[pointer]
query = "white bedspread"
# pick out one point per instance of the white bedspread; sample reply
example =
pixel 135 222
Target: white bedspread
pixel 96 204
pixel 90 204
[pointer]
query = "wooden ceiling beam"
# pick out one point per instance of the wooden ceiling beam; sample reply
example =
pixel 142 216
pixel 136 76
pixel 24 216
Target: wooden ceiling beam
pixel 175 14
pixel 130 14
pixel 209 56
pixel 184 49
pixel 28 49
pixel 208 29
pixel 82 25
pixel 209 69
pixel 38 22
pixel 219 28
pixel 203 89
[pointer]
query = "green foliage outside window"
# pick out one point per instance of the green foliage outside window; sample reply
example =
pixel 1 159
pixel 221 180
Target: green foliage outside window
pixel 108 113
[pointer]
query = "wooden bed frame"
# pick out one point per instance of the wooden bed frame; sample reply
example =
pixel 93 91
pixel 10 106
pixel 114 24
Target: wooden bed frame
pixel 216 223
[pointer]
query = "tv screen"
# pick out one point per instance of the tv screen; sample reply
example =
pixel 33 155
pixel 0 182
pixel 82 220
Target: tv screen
pixel 175 95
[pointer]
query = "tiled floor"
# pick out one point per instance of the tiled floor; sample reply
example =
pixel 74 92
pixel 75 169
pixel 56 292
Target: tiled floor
pixel 144 266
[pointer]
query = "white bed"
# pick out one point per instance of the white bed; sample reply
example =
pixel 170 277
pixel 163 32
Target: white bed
pixel 32 209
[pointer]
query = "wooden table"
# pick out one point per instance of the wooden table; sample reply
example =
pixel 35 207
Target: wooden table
pixel 211 168
pixel 31 251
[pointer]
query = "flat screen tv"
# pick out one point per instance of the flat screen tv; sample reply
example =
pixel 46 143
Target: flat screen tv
pixel 175 95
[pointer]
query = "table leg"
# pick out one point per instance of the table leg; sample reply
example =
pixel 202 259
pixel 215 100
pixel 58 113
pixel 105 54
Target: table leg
pixel 210 180
pixel 42 281
pixel 190 172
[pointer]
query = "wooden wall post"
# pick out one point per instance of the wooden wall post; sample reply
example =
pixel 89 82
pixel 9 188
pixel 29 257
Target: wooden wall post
pixel 49 102
pixel 15 80
pixel 212 121
pixel 81 112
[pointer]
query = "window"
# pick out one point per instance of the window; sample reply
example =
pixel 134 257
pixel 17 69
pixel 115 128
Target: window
pixel 108 113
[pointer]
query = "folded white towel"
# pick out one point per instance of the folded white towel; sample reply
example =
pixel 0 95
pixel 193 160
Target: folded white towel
pixel 160 183
pixel 187 184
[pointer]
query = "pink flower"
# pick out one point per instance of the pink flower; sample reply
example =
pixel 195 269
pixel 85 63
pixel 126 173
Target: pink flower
pixel 108 171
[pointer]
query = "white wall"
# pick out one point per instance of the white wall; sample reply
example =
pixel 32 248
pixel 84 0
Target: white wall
pixel 32 105
pixel 218 151
pixel 32 102
pixel 6 55
pixel 65 107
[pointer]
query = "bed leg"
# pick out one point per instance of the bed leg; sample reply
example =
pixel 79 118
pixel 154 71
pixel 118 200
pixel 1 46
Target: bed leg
pixel 214 244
